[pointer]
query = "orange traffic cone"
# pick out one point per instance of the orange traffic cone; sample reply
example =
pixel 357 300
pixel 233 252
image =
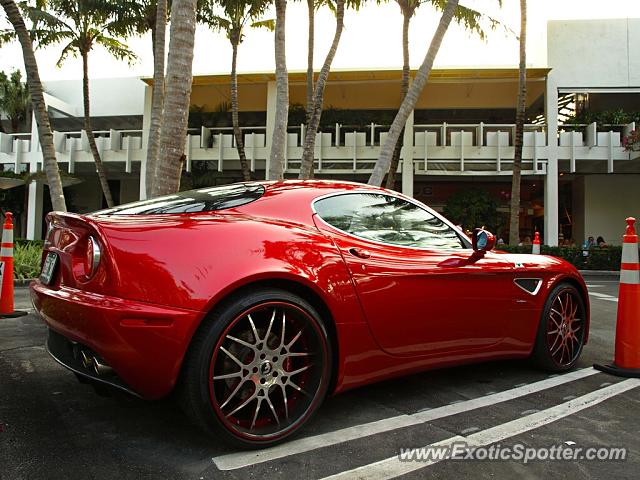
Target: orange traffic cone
pixel 627 355
pixel 536 244
pixel 6 270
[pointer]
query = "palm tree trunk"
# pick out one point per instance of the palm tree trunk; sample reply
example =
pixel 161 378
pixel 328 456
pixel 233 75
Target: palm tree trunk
pixel 177 97
pixel 404 88
pixel 237 133
pixel 279 138
pixel 102 175
pixel 39 107
pixel 311 8
pixel 410 101
pixel 308 153
pixel 514 210
pixel 157 103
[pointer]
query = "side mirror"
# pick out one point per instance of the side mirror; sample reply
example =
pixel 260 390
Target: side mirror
pixel 483 240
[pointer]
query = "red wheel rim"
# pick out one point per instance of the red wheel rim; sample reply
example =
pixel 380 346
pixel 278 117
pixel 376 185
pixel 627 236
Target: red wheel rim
pixel 268 371
pixel 565 328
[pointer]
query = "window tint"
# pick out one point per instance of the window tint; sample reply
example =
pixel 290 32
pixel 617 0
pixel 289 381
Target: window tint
pixel 192 201
pixel 387 219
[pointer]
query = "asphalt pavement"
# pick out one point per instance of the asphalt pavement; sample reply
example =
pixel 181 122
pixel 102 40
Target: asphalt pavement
pixel 53 427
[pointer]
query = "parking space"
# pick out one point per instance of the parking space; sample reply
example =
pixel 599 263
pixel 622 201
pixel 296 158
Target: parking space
pixel 51 426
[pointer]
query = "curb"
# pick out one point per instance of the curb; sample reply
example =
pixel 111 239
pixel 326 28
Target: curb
pixel 22 283
pixel 601 274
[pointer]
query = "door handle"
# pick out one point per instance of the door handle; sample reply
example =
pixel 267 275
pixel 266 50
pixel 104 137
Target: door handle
pixel 359 252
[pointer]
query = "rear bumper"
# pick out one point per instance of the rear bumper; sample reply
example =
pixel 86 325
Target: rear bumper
pixel 67 354
pixel 143 343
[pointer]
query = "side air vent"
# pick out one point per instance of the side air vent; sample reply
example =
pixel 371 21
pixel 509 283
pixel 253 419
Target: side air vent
pixel 529 285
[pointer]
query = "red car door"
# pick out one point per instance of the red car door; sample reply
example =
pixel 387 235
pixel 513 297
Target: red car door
pixel 400 256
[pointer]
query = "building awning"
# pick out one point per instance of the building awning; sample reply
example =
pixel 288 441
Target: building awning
pixel 375 75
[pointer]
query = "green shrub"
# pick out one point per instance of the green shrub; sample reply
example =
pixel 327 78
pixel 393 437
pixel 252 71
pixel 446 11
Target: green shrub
pixel 598 259
pixel 27 256
pixel 24 241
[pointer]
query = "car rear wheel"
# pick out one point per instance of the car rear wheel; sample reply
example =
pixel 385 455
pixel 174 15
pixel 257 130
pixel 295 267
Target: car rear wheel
pixel 562 331
pixel 258 368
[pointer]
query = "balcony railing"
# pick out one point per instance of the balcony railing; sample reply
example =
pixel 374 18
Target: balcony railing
pixel 435 149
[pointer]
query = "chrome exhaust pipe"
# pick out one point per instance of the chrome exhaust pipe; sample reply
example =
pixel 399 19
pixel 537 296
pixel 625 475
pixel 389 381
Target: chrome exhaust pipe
pixel 87 360
pixel 90 361
pixel 101 368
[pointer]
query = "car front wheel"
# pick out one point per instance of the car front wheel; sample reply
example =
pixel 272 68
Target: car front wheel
pixel 561 331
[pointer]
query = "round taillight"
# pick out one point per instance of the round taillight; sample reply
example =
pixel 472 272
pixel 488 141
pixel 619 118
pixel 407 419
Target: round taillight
pixel 92 257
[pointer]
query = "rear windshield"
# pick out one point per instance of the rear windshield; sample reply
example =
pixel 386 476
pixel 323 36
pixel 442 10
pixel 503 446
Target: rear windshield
pixel 193 201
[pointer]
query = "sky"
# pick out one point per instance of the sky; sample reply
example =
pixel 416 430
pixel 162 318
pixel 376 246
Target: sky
pixel 371 40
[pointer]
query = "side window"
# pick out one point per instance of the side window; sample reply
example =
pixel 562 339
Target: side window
pixel 386 219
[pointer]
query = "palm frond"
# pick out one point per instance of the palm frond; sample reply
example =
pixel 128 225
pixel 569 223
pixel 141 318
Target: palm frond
pixel 472 20
pixel 6 36
pixel 131 18
pixel 257 8
pixel 268 24
pixel 354 4
pixel 116 48
pixel 41 18
pixel 216 22
pixel 45 37
pixel 70 49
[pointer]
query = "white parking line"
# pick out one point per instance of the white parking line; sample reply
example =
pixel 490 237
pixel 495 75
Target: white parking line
pixel 393 467
pixel 237 460
pixel 603 296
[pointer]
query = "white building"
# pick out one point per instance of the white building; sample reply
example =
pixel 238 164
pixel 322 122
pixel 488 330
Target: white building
pixel 578 181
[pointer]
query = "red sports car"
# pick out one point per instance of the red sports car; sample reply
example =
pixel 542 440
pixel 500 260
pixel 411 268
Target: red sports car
pixel 255 300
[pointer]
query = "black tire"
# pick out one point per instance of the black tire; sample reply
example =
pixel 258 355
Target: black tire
pixel 273 379
pixel 561 332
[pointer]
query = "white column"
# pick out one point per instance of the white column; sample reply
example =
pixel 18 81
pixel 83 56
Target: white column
pixel 35 137
pixel 146 115
pixel 407 157
pixel 551 204
pixel 271 122
pixel 34 210
pixel 36 188
pixel 146 127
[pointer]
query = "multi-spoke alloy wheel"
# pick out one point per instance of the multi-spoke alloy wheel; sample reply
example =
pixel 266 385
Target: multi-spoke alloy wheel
pixel 268 367
pixel 565 324
pixel 561 335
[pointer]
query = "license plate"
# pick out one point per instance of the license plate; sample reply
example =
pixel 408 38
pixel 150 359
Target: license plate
pixel 49 268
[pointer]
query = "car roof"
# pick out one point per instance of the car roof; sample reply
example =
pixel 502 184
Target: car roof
pixel 316 184
pixel 292 199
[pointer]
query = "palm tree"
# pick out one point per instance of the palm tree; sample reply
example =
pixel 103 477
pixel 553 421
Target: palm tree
pixel 39 107
pixel 80 26
pixel 159 30
pixel 465 16
pixel 313 116
pixel 408 8
pixel 151 16
pixel 237 14
pixel 177 95
pixel 311 10
pixel 514 210
pixel 410 100
pixel 279 138
pixel 14 99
